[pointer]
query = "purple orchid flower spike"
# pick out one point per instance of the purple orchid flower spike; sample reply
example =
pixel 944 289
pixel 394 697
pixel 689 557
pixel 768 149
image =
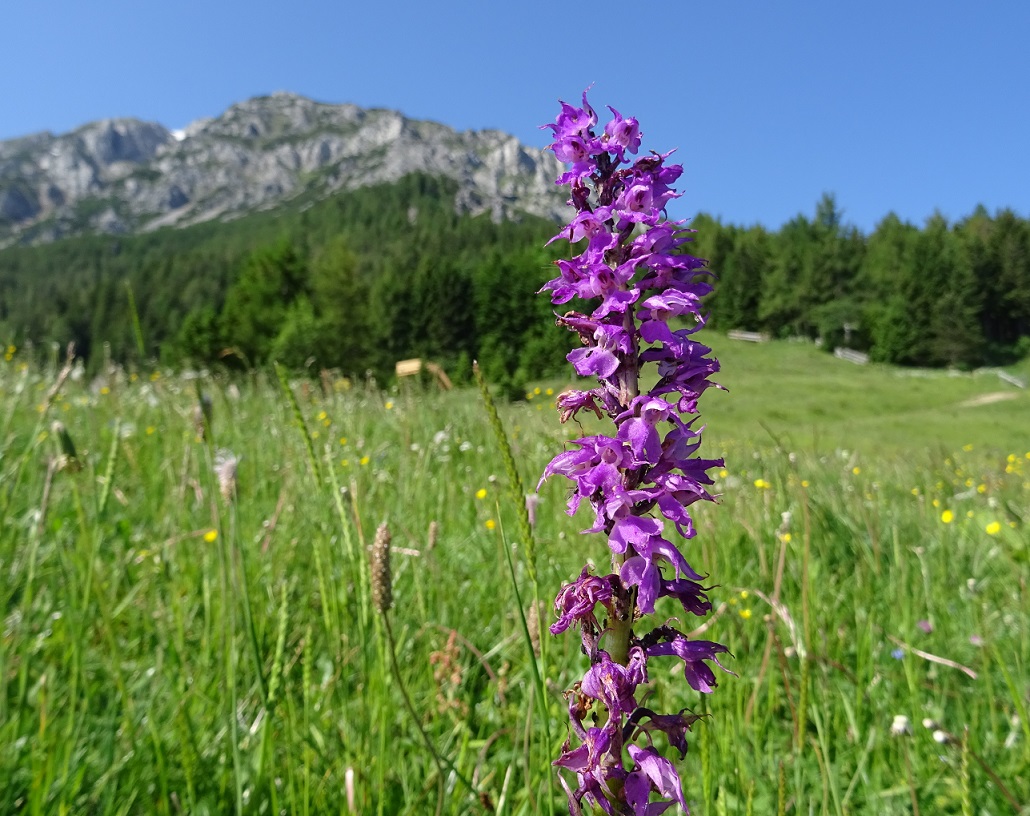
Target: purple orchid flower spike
pixel 641 479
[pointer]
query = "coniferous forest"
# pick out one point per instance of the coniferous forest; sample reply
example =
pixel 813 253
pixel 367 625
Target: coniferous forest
pixel 369 277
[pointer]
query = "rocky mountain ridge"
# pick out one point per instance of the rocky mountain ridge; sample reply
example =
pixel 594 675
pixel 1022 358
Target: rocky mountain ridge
pixel 125 175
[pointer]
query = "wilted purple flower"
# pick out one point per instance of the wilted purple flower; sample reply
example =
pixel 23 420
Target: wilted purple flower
pixel 675 726
pixel 690 594
pixel 615 685
pixel 577 602
pixel 641 479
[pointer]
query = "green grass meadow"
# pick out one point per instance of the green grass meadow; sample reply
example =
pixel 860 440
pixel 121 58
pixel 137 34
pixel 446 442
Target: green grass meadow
pixel 165 649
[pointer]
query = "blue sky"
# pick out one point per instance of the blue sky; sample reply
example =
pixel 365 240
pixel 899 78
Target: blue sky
pixel 905 106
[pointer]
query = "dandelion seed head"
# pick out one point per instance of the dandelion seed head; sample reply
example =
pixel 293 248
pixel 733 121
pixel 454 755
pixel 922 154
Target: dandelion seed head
pixel 901 726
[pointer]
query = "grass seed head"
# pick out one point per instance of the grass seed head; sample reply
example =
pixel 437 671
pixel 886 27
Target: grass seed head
pixel 382 586
pixel 226 463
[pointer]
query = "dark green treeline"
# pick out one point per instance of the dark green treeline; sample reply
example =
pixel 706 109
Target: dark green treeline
pixel 369 277
pixel 352 283
pixel 944 295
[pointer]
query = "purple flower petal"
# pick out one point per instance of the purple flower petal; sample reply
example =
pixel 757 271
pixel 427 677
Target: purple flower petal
pixel 661 773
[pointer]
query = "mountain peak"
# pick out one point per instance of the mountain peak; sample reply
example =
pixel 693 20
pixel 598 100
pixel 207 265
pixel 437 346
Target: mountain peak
pixel 126 175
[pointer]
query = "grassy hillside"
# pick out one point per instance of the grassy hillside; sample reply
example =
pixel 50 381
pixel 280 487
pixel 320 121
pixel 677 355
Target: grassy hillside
pixel 797 396
pixel 810 400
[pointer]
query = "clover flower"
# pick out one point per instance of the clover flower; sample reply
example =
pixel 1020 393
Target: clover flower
pixel 644 294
